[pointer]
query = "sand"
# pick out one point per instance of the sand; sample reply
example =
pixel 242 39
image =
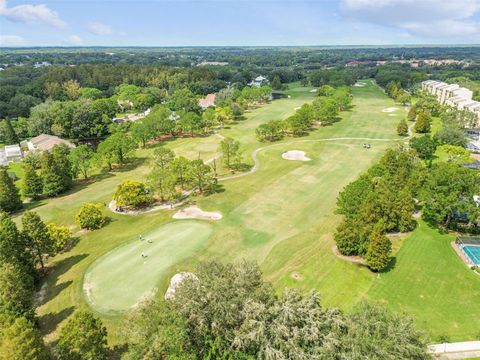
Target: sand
pixel 360 84
pixel 295 155
pixel 313 90
pixel 175 281
pixel 194 212
pixel 390 109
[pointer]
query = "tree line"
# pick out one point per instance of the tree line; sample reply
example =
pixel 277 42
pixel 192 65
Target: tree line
pixel 323 111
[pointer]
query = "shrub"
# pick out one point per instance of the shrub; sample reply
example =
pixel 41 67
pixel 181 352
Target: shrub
pixel 90 217
pixel 60 235
pixel 132 194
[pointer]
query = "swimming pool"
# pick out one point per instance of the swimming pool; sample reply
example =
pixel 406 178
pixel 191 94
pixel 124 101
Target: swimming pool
pixel 473 252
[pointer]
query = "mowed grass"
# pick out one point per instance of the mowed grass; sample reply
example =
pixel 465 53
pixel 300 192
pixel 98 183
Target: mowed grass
pixel 281 216
pixel 431 283
pixel 119 280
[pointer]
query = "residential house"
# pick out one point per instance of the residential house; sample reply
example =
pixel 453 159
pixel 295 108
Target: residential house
pixel 45 142
pixel 259 81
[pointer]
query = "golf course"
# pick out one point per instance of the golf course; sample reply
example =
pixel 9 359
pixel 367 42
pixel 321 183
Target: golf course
pixel 280 214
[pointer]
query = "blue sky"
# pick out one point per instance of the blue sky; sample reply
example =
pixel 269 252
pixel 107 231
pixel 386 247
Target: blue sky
pixel 238 22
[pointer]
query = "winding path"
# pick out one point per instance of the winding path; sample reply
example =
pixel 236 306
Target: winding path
pixel 256 162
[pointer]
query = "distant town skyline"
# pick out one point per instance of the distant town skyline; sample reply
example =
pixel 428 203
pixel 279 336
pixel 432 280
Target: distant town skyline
pixel 238 23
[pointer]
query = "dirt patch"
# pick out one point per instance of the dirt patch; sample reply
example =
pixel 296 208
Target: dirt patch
pixel 194 212
pixel 390 109
pixel 295 155
pixel 296 276
pixel 354 259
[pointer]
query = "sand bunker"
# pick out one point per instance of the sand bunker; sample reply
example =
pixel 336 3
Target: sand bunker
pixel 194 212
pixel 175 282
pixel 295 155
pixel 313 90
pixel 360 84
pixel 390 109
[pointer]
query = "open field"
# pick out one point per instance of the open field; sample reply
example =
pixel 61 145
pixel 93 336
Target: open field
pixel 282 216
pixel 430 282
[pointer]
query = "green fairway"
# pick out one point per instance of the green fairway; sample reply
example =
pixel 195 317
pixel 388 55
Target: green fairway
pixel 120 279
pixel 431 283
pixel 281 215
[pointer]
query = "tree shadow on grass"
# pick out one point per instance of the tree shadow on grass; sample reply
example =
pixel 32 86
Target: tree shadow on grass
pixel 49 322
pixel 117 352
pixel 50 289
pixel 391 265
pixel 131 164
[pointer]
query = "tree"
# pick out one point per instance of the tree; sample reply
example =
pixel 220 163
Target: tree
pixel 132 194
pixel 37 236
pixel 72 89
pixel 270 131
pixel 90 217
pixel 31 182
pixel 276 83
pixel 10 136
pixel 180 168
pixel 372 332
pixel 144 130
pixel 52 179
pixel 224 116
pixel 60 235
pixel 448 192
pixel 403 98
pixel 230 150
pixel 402 128
pixel 456 154
pixel 115 149
pixel 201 175
pixel 16 292
pixel 13 247
pixel 422 125
pixel 412 113
pixel 82 338
pixel 353 196
pixel 451 135
pixel 162 157
pixel 164 181
pixel 81 158
pixel 325 110
pixel 378 252
pixel 425 146
pixel 21 340
pixel 9 195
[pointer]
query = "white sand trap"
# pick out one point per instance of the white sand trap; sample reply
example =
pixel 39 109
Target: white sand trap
pixel 297 108
pixel 360 84
pixel 390 109
pixel 313 90
pixel 194 212
pixel 295 155
pixel 175 282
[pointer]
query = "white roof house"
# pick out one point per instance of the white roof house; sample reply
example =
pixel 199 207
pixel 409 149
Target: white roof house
pixel 258 81
pixel 13 152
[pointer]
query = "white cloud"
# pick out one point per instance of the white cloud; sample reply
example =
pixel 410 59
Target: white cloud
pixel 74 40
pixel 11 40
pixel 31 14
pixel 98 28
pixel 433 18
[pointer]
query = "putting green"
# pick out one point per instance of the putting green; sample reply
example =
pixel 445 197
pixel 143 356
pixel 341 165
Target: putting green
pixel 120 279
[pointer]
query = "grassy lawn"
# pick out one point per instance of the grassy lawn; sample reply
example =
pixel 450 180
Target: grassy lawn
pixel 431 283
pixel 281 216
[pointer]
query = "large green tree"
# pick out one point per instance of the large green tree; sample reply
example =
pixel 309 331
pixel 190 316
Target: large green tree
pixel 32 186
pixel 81 159
pixel 16 293
pixel 230 149
pixel 37 236
pixel 9 194
pixel 379 251
pixel 21 340
pixel 83 337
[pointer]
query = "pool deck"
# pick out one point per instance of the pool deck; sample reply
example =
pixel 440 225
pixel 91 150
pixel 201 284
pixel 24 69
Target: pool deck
pixel 459 350
pixel 460 253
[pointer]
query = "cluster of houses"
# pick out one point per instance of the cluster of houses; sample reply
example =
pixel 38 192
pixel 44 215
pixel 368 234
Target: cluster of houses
pixel 415 63
pixel 452 95
pixel 38 144
pixel 131 117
